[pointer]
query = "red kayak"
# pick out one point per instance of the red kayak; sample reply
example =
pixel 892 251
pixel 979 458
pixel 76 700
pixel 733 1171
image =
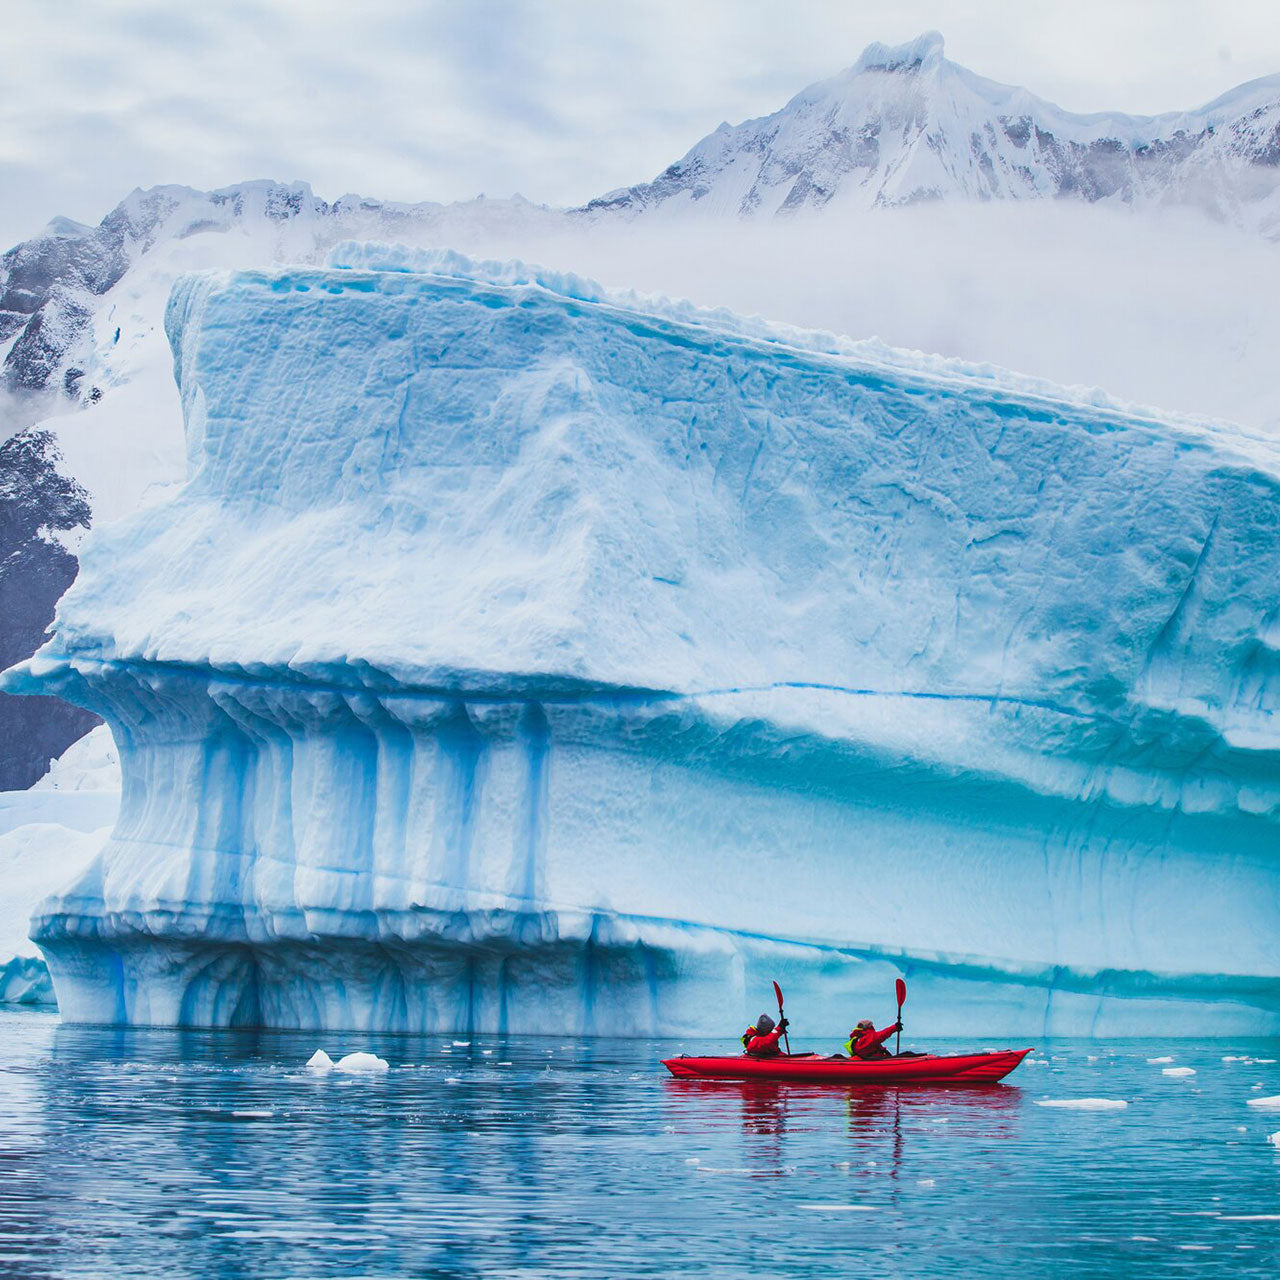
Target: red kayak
pixel 968 1068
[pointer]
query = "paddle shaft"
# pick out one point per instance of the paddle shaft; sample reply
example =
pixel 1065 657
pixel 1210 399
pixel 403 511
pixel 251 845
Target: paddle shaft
pixel 786 1039
pixel 900 990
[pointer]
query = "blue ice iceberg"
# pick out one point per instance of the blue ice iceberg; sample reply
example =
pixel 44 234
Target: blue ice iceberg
pixel 522 656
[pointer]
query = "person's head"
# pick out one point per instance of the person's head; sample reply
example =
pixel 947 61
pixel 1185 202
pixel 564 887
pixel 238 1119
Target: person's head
pixel 865 1025
pixel 764 1025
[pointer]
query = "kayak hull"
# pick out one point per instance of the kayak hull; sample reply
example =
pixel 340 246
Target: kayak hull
pixel 932 1069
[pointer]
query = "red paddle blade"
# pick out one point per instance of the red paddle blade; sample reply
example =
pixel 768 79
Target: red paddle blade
pixel 901 988
pixel 777 991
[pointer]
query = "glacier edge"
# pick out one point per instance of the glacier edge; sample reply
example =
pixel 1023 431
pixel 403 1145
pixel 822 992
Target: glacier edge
pixel 515 645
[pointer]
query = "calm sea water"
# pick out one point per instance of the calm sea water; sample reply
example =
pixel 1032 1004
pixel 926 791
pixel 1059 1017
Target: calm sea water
pixel 215 1154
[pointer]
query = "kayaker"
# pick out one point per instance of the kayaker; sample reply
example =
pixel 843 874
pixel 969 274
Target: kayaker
pixel 867 1043
pixel 761 1040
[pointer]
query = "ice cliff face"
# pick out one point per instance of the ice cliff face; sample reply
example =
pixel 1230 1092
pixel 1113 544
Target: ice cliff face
pixel 519 654
pixel 904 125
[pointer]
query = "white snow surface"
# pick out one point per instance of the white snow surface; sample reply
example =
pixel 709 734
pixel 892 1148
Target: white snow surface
pixel 48 836
pixel 515 641
pixel 91 764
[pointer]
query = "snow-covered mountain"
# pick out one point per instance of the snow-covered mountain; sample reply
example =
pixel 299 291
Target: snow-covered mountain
pixel 904 125
pixel 48 285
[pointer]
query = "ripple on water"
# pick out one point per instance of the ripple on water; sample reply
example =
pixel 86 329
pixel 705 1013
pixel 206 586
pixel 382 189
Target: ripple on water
pixel 197 1154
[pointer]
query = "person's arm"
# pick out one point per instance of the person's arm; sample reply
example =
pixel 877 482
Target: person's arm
pixel 758 1043
pixel 869 1039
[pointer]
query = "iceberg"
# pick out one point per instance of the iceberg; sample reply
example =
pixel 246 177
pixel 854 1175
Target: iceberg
pixel 522 656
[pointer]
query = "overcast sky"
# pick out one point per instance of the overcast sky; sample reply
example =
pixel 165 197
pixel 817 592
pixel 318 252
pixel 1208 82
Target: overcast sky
pixel 557 99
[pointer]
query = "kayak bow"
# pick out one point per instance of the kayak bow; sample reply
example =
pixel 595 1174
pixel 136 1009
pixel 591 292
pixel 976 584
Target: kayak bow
pixel 969 1068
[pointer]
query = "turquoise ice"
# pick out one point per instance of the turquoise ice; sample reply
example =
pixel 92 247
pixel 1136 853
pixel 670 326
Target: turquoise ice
pixel 522 655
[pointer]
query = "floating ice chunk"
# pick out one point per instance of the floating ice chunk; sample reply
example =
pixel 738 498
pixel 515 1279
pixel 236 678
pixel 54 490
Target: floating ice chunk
pixel 1263 1062
pixel 462 1044
pixel 1157 1060
pixel 1274 1139
pixel 253 1115
pixel 1233 1058
pixel 361 1064
pixel 1253 1217
pixel 924 1182
pixel 1085 1104
pixel 1266 1104
pixel 319 1061
pixel 1178 1071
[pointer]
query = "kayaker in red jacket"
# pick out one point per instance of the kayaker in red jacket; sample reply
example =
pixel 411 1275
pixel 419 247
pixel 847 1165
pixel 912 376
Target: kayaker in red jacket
pixel 866 1042
pixel 761 1041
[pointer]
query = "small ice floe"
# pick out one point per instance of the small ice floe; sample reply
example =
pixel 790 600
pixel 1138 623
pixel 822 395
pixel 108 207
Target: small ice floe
pixel 1250 1217
pixel 1266 1104
pixel 358 1064
pixel 452 1080
pixel 1263 1062
pixel 1155 1061
pixel 319 1061
pixel 1274 1139
pixel 692 1161
pixel 486 1052
pixel 1085 1104
pixel 1195 1248
pixel 1145 1239
pixel 253 1115
pixel 924 1182
pixel 1178 1071
pixel 462 1044
pixel 1232 1058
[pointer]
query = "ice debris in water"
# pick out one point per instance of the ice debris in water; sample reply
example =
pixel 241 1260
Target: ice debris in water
pixel 1178 1071
pixel 462 1044
pixel 1266 1104
pixel 1085 1104
pixel 1157 1060
pixel 361 1064
pixel 319 1061
pixel 1232 1058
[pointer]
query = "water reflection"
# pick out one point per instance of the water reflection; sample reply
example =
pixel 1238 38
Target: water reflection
pixel 198 1154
